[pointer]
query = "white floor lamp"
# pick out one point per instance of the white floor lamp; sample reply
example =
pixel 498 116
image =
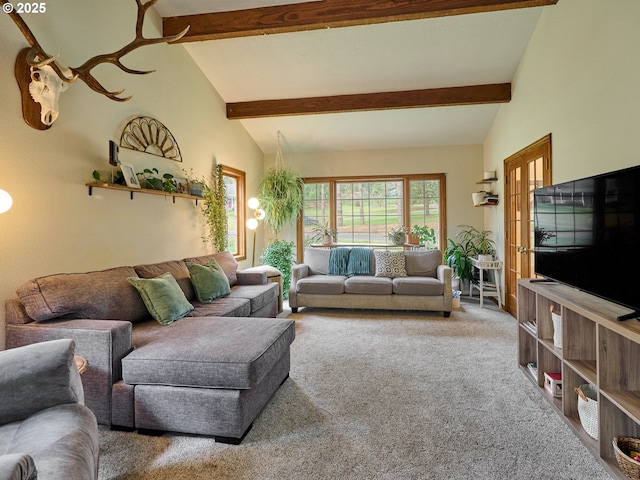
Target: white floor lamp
pixel 252 223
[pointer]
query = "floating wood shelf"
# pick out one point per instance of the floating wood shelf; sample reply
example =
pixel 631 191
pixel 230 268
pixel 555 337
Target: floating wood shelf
pixel 486 180
pixel 131 191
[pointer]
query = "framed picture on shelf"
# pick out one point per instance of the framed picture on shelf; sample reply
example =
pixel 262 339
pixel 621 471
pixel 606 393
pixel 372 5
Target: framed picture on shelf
pixel 130 175
pixel 182 186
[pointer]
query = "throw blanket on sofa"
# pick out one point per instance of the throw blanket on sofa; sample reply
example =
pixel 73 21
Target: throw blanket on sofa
pixel 339 261
pixel 359 261
pixel 350 261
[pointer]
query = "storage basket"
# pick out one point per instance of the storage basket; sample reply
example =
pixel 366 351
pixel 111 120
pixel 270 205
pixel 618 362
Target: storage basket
pixel 588 409
pixel 622 446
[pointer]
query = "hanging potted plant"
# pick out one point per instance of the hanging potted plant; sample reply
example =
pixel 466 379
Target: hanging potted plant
pixel 280 194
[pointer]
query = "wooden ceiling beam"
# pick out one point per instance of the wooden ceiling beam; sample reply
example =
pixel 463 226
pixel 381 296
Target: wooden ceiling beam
pixel 435 97
pixel 327 14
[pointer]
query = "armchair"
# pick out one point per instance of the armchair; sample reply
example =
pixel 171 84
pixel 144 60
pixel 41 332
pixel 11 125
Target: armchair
pixel 46 432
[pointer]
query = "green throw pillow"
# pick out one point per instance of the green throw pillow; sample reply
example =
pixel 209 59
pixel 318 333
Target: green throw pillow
pixel 209 281
pixel 163 297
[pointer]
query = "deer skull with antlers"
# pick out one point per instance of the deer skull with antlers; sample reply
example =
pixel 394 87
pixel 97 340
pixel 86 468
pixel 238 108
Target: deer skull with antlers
pixel 42 79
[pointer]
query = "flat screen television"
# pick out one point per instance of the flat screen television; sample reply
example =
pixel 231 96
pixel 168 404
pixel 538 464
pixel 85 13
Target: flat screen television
pixel 587 235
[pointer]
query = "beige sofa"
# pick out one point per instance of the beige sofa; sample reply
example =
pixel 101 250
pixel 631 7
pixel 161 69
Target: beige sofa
pixel 424 284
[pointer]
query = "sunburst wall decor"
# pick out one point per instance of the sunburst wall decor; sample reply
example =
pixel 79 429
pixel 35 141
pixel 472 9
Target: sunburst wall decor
pixel 146 134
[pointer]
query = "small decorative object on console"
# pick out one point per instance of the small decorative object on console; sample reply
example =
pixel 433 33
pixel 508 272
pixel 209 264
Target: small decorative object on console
pixel 553 383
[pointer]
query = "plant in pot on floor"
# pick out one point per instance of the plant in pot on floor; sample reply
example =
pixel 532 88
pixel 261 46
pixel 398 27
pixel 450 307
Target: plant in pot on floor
pixel 458 256
pixel 279 254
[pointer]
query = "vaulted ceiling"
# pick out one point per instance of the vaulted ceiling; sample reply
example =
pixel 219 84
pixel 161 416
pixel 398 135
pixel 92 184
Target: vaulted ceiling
pixel 335 75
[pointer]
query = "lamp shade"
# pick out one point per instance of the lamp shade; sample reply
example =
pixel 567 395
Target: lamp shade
pixel 252 224
pixel 5 201
pixel 253 203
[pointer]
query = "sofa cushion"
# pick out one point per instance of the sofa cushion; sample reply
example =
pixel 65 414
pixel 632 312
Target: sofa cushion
pixel 36 377
pixel 418 286
pixel 177 268
pixel 321 284
pixel 422 263
pixel 317 259
pixel 210 352
pixel 222 307
pixel 102 295
pixel 225 259
pixel 258 295
pixel 209 281
pixel 163 297
pixel 368 285
pixel 390 263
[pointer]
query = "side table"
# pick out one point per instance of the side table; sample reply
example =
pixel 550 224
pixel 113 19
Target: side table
pixel 487 289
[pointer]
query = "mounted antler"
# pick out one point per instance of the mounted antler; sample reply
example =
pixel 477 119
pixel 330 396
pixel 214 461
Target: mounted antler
pixel 39 60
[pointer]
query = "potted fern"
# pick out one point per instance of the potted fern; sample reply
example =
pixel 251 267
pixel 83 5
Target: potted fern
pixel 280 195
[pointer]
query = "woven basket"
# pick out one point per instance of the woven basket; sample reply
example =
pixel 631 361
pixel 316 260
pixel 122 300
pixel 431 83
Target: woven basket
pixel 622 446
pixel 588 409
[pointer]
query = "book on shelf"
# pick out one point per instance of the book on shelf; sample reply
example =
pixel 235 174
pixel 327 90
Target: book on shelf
pixel 531 326
pixel 533 368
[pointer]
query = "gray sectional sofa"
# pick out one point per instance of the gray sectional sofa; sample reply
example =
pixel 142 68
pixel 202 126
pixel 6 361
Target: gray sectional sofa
pixel 45 430
pixel 208 373
pixel 419 281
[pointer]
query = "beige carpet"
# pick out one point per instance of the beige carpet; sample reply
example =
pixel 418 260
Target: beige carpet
pixel 382 395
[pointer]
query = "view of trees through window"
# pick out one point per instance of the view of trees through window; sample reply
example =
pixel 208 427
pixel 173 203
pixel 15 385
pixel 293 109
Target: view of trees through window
pixel 365 211
pixel 234 181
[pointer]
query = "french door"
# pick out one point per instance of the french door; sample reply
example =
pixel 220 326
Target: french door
pixel 525 171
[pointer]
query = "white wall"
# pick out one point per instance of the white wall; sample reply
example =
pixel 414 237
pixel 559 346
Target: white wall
pixel 54 225
pixel 579 81
pixel 461 164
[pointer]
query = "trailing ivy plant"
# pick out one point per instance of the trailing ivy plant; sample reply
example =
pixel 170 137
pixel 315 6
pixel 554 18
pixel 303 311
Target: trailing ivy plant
pixel 214 210
pixel 279 254
pixel 280 195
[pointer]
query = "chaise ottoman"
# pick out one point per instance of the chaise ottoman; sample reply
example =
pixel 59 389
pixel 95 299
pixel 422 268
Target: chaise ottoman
pixel 208 376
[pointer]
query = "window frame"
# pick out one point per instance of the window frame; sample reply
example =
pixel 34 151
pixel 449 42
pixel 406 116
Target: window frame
pixel 406 180
pixel 241 203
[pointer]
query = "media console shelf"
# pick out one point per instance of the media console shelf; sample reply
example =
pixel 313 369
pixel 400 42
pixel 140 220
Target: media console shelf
pixel 596 349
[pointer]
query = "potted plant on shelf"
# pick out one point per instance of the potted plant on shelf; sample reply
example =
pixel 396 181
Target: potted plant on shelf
pixel 397 235
pixel 423 234
pixel 484 246
pixel 324 232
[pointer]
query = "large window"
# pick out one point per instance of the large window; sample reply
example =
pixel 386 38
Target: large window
pixel 364 210
pixel 234 182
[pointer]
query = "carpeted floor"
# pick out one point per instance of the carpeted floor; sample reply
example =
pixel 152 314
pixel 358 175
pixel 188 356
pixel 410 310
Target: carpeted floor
pixel 382 395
